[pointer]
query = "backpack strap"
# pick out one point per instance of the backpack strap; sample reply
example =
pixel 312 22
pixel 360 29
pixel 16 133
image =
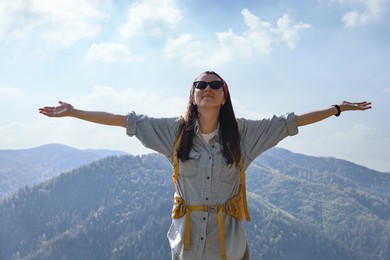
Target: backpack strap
pixel 243 188
pixel 175 174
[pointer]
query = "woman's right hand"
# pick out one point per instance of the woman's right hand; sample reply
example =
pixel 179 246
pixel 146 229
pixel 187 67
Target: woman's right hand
pixel 64 109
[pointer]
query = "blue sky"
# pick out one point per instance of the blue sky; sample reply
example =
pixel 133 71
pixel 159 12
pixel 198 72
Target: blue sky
pixel 122 56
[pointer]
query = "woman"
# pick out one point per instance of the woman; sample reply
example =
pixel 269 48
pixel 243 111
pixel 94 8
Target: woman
pixel 211 148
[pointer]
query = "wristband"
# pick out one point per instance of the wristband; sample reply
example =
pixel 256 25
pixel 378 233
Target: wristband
pixel 338 110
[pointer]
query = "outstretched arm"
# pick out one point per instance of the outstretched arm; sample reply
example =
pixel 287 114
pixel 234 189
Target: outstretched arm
pixel 65 109
pixel 313 117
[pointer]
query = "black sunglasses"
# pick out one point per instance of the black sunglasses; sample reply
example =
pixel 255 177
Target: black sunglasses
pixel 213 84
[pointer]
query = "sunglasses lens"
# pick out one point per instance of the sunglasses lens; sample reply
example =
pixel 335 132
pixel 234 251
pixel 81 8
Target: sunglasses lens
pixel 204 84
pixel 201 84
pixel 216 84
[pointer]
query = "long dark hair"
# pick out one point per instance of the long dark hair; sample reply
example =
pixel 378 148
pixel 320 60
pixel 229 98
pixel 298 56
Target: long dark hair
pixel 229 135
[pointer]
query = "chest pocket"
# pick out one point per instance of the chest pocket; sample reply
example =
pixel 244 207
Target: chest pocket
pixel 227 173
pixel 190 168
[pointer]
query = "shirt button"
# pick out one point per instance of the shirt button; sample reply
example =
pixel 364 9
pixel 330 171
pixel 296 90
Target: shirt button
pixel 204 218
pixel 207 198
pixel 210 157
pixel 201 238
pixel 208 177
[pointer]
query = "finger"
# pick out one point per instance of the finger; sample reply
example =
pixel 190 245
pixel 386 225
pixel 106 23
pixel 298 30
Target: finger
pixel 47 108
pixel 46 113
pixel 43 110
pixel 62 103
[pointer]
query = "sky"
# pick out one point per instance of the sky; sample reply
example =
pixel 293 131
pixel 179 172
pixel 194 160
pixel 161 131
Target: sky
pixel 122 56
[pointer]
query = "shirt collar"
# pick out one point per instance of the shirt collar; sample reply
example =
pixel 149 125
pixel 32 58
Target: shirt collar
pixel 197 130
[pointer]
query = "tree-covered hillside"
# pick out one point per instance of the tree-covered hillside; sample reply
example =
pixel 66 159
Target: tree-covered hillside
pixel 119 208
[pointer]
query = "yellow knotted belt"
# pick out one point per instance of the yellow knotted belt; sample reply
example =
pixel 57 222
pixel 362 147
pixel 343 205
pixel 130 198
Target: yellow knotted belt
pixel 232 207
pixel 235 207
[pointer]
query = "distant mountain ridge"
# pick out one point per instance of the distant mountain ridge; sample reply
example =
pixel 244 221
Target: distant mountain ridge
pixel 302 207
pixel 19 168
pixel 327 170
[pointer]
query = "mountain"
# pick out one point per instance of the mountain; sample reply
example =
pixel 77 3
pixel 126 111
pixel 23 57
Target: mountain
pixel 344 201
pixel 19 168
pixel 302 207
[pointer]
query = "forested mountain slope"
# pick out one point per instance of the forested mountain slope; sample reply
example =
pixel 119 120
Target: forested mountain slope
pixel 302 207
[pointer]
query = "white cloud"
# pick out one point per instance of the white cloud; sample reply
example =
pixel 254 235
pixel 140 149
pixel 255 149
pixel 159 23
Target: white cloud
pixel 110 53
pixel 58 23
pixel 187 48
pixel 290 33
pixel 258 39
pixel 7 93
pixel 134 98
pixel 151 17
pixel 364 11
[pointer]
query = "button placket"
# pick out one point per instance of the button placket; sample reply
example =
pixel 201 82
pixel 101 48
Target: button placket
pixel 208 174
pixel 207 162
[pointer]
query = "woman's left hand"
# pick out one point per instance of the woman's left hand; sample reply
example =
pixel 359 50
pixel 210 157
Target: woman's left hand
pixel 345 105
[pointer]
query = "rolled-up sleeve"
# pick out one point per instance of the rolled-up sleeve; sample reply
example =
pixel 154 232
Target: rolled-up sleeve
pixel 257 136
pixel 158 134
pixel 131 124
pixel 291 123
